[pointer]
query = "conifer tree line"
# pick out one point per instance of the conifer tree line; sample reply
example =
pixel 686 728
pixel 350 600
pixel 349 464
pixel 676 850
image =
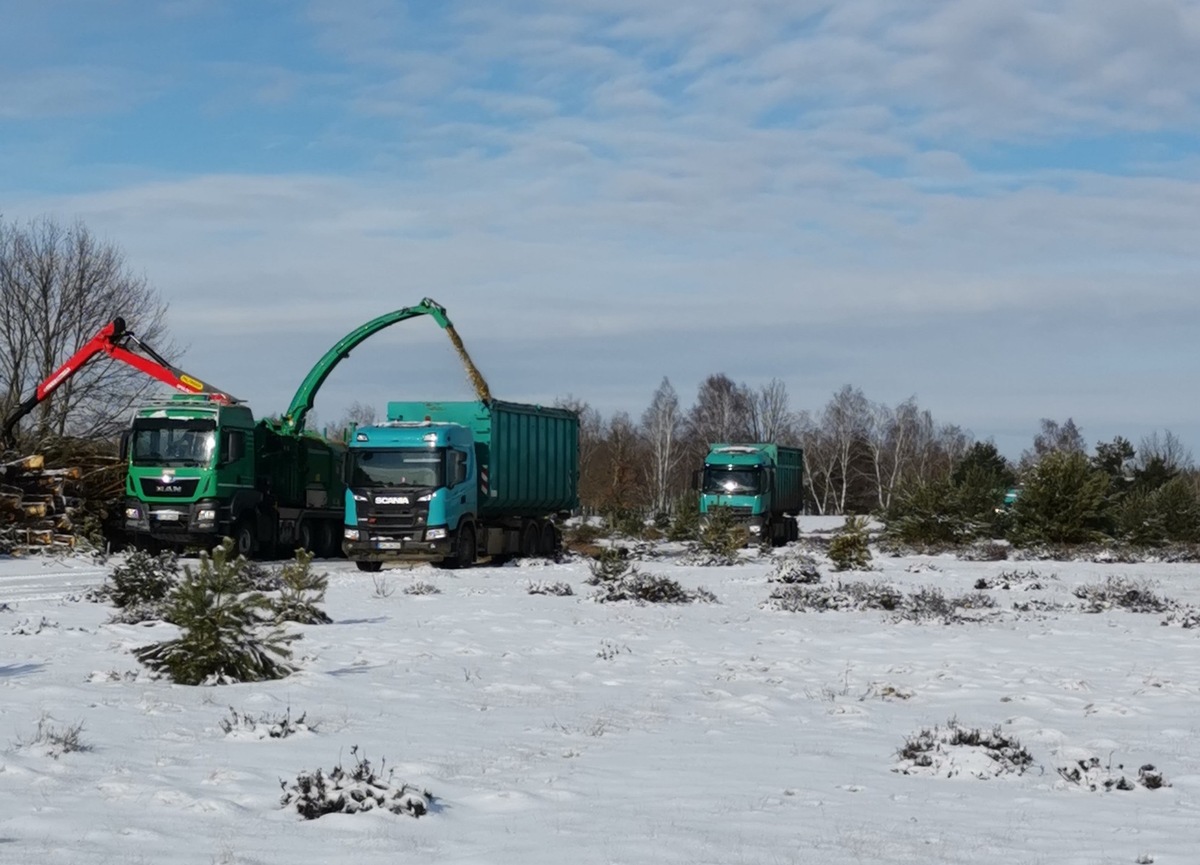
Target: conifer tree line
pixel 930 482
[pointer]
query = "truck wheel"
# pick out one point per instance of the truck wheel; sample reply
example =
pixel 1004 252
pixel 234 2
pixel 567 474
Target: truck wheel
pixel 369 567
pixel 464 550
pixel 326 540
pixel 548 540
pixel 530 540
pixel 304 536
pixel 244 537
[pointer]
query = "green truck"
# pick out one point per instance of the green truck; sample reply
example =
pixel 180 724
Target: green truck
pixel 761 484
pixel 200 467
pixel 448 482
pixel 200 470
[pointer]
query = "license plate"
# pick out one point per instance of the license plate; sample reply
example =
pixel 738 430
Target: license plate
pixel 167 516
pixel 389 545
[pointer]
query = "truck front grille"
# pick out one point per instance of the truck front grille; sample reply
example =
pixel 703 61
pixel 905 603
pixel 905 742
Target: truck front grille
pixel 388 520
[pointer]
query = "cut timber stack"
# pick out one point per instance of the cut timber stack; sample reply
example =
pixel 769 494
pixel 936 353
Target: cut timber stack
pixel 37 505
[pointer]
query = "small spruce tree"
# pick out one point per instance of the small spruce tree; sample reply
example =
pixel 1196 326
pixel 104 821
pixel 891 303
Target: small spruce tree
pixel 722 537
pixel 301 592
pixel 225 635
pixel 849 549
pixel 143 578
pixel 685 524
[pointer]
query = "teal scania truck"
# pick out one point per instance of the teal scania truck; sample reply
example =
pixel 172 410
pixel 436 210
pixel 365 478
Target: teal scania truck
pixel 200 467
pixel 760 483
pixel 448 482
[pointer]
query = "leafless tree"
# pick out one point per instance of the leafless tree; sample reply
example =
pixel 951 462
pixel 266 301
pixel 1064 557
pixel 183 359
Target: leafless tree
pixel 1165 449
pixel 773 419
pixel 899 439
pixel 622 453
pixel 661 425
pixel 357 414
pixel 58 287
pixel 724 411
pixel 1052 438
pixel 835 449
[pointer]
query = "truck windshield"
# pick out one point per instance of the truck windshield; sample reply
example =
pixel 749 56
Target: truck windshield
pixel 726 480
pixel 168 442
pixel 397 467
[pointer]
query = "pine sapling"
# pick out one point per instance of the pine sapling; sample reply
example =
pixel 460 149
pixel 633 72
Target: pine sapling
pixel 226 633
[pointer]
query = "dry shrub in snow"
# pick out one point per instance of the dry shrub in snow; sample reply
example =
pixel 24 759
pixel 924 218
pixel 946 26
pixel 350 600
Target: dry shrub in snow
pixel 1029 581
pixel 28 627
pixel 241 725
pixel 923 605
pixel 1132 595
pixel 1089 774
pixel 420 587
pixel 928 604
pixel 55 741
pixel 618 579
pixel 795 570
pixel 955 751
pixel 315 794
pixel 543 588
pixel 984 551
pixel 842 597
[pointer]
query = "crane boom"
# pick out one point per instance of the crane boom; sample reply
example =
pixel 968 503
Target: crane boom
pixel 292 423
pixel 115 341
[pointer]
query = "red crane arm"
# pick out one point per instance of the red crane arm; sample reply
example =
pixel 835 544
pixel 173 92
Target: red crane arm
pixel 113 339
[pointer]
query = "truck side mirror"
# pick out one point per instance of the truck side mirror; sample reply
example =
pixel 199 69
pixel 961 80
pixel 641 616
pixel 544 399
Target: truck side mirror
pixel 123 448
pixel 696 479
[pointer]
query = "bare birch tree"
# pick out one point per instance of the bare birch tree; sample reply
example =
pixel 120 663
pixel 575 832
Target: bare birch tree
pixel 835 449
pixel 661 425
pixel 773 420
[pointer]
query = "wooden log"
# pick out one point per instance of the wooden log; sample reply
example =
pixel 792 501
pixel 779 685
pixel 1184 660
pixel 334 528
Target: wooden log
pixel 31 463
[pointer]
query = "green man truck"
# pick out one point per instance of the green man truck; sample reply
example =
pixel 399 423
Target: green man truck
pixel 448 482
pixel 201 468
pixel 761 484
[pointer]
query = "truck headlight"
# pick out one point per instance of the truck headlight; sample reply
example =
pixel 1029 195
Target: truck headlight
pixel 133 513
pixel 350 534
pixel 206 515
pixel 435 534
pixel 755 529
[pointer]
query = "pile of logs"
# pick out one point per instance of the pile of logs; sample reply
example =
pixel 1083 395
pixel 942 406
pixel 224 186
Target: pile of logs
pixel 42 509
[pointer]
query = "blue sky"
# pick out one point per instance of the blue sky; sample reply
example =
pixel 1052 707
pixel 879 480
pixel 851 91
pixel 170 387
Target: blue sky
pixel 990 206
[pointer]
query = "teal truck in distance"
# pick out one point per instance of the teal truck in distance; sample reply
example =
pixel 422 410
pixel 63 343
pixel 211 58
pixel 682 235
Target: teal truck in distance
pixel 448 482
pixel 762 485
pixel 200 467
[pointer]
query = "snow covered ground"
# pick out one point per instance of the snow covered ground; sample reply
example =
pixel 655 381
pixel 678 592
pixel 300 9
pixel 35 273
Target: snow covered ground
pixel 554 729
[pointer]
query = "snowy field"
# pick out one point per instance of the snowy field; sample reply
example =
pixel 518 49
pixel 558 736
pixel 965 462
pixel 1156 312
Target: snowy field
pixel 555 729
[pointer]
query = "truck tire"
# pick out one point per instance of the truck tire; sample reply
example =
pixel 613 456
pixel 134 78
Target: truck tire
pixel 327 546
pixel 548 540
pixel 245 537
pixel 464 549
pixel 369 567
pixel 304 536
pixel 530 539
